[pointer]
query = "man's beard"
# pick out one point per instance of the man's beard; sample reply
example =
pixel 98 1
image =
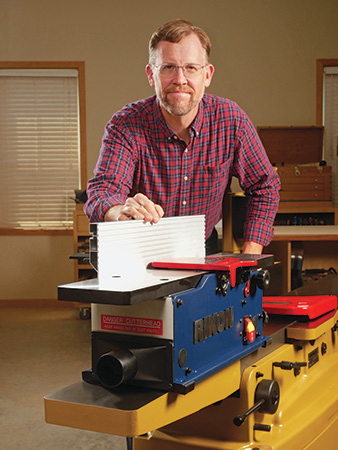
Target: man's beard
pixel 182 108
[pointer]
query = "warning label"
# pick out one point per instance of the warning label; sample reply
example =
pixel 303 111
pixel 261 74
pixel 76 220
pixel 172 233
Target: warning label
pixel 132 324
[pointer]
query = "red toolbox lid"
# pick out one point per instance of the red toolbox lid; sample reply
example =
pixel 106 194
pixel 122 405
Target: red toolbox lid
pixel 309 306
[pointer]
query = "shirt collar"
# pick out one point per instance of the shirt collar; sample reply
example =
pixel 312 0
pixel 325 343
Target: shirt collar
pixel 197 123
pixel 161 120
pixel 195 126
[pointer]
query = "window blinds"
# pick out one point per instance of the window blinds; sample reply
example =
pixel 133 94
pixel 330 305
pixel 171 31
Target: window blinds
pixel 330 122
pixel 39 147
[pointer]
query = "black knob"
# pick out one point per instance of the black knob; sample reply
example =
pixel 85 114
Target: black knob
pixel 262 278
pixel 266 400
pixel 268 390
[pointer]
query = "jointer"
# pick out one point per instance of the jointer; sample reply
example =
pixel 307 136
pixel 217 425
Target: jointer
pixel 188 354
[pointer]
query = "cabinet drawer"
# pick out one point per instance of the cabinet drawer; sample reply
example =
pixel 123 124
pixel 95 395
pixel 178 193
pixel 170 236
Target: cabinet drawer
pixel 303 195
pixel 303 180
pixel 311 187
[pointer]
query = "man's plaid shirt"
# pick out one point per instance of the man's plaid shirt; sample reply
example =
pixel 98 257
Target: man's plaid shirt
pixel 140 153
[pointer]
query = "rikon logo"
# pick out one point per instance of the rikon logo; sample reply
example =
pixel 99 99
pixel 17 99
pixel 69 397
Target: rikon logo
pixel 215 323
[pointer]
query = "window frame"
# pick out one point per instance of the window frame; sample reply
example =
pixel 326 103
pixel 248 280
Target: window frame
pixel 321 64
pixel 80 67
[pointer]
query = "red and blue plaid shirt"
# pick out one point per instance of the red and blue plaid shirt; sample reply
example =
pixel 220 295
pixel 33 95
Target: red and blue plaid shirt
pixel 141 153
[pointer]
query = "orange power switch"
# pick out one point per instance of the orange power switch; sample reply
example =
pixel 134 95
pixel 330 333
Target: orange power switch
pixel 249 329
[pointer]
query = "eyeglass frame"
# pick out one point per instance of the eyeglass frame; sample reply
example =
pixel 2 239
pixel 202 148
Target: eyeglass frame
pixel 183 67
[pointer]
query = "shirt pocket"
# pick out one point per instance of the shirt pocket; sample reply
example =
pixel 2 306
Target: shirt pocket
pixel 210 184
pixel 214 179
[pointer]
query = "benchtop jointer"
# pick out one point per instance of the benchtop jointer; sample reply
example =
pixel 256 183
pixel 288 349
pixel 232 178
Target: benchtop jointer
pixel 164 315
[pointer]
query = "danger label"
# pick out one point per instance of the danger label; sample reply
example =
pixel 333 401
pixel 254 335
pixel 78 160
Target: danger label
pixel 132 324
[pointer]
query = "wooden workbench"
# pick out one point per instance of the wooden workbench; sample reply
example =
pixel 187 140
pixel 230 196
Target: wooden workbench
pixel 318 244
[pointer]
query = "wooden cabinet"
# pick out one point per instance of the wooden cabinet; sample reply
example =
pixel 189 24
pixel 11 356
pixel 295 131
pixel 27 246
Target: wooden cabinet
pixel 318 246
pixel 296 153
pixel 305 182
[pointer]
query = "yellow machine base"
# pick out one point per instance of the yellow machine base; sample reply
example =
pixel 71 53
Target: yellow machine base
pixel 307 415
pixel 303 360
pixel 134 411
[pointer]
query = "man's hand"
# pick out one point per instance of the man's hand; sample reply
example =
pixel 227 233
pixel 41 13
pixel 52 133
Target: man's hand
pixel 252 248
pixel 138 207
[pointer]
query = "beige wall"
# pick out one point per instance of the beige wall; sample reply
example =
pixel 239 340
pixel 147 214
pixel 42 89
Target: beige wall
pixel 33 266
pixel 264 51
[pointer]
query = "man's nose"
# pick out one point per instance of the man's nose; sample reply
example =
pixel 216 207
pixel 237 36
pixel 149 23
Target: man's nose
pixel 179 77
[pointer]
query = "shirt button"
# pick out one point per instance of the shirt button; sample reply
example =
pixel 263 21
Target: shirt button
pixel 185 178
pixel 186 150
pixel 175 137
pixel 184 203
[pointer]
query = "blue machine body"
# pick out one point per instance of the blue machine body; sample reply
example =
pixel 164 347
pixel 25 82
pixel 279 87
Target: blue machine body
pixel 210 328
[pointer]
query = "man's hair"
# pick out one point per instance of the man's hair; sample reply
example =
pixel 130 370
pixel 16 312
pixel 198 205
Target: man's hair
pixel 174 31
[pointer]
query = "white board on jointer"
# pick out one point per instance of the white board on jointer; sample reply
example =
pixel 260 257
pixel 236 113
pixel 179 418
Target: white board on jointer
pixel 125 249
pixel 124 252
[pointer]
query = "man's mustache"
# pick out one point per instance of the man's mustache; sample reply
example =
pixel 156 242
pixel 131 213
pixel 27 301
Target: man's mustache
pixel 180 89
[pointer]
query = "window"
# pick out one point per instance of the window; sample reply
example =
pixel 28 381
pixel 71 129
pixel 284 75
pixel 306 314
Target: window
pixel 42 148
pixel 327 115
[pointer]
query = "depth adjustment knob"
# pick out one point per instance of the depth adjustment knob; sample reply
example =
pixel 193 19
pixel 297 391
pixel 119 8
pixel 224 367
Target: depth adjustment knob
pixel 267 396
pixel 262 278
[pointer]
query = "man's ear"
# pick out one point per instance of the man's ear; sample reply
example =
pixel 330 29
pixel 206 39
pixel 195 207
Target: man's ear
pixel 209 73
pixel 150 75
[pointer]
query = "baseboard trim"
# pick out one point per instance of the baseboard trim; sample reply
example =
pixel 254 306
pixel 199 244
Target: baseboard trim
pixel 33 303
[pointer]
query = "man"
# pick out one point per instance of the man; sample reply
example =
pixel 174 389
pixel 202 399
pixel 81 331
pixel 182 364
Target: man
pixel 176 152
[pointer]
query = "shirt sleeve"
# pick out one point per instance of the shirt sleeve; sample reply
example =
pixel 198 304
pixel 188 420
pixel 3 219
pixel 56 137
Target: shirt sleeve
pixel 260 183
pixel 113 173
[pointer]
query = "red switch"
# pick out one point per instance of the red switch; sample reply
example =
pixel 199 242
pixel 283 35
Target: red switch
pixel 249 329
pixel 247 289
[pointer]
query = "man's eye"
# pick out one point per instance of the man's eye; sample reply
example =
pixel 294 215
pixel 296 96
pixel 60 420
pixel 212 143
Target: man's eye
pixel 168 67
pixel 191 68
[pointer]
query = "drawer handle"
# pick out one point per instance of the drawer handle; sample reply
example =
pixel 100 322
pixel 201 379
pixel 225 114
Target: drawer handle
pixel 297 171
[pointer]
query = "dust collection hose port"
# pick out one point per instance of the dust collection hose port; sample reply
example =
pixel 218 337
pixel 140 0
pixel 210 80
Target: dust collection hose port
pixel 116 367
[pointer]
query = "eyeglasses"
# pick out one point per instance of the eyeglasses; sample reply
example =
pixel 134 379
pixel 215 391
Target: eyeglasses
pixel 170 70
